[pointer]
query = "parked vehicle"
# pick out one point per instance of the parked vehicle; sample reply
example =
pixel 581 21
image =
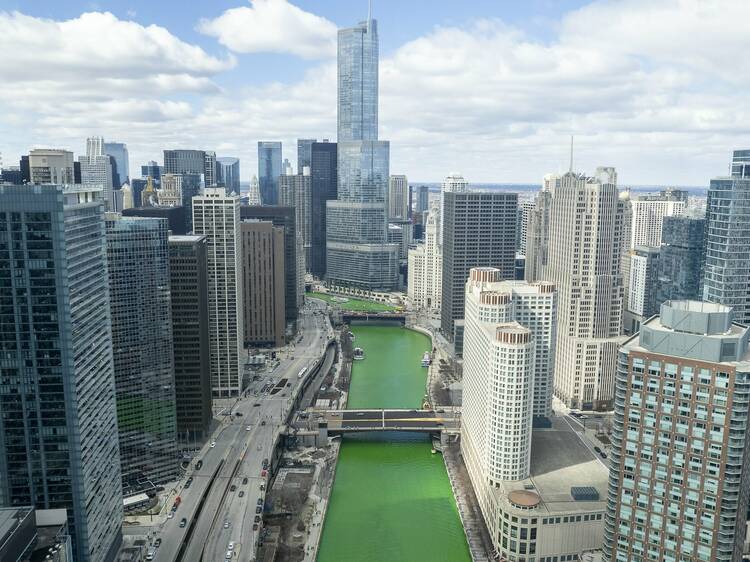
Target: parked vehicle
pixel 150 553
pixel 183 522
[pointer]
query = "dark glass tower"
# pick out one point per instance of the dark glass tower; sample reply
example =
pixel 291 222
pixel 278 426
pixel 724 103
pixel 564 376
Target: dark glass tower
pixel 269 170
pixel 324 178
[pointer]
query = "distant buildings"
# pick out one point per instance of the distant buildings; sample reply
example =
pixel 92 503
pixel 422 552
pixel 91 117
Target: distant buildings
pixel 423 199
pixel 324 172
pixel 525 210
pixel 358 252
pixel 47 165
pixel 263 283
pixel 192 162
pixel 119 151
pixel 296 191
pixel 479 230
pixel 138 266
pixel 425 266
pixel 269 170
pixel 641 287
pixel 453 183
pixel 727 256
pixel 304 153
pixel 398 197
pixel 152 170
pixel 188 280
pixel 537 232
pixel 228 173
pixel 58 419
pixel 681 259
pixel 176 216
pixel 217 216
pixel 648 212
pixel 253 193
pixel 586 239
pixel 97 170
pixel 678 471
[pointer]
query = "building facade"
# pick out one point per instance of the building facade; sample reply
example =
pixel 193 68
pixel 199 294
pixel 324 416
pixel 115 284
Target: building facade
pixel 454 183
pixel 48 165
pixel 479 230
pixel 681 259
pixel 217 217
pixel 269 170
pixel 423 199
pixel 678 485
pixel 641 286
pixel 586 238
pixel 97 169
pixel 228 173
pixel 648 212
pixel 304 153
pixel 143 352
pixel 58 418
pixel 119 151
pixel 263 283
pixel 398 197
pixel 296 191
pixel 188 280
pixel 537 236
pixel 425 267
pixel 324 171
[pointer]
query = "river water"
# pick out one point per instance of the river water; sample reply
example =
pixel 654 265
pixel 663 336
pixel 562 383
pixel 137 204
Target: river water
pixel 391 500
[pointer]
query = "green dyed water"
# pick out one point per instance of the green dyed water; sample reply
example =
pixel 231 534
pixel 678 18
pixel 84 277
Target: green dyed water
pixel 392 500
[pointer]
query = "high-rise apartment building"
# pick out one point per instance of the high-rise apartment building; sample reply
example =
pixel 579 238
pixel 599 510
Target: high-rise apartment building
pixel 537 233
pixel 228 173
pixel 398 197
pixel 425 267
pixel 479 230
pixel 681 259
pixel 209 169
pixel 454 183
pixel 304 153
pixel 263 283
pixel 284 217
pixel 358 252
pixel 296 191
pixel 188 280
pixel 641 281
pixel 58 419
pixel 97 169
pixel 525 210
pixel 678 484
pixel 138 266
pixel 648 212
pixel 725 277
pixel 324 172
pixel 119 151
pixel 216 216
pixel 740 164
pixel 49 165
pixel 269 170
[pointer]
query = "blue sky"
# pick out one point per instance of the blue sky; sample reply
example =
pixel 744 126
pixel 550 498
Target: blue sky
pixel 490 89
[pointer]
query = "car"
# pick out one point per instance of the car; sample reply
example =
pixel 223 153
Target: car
pixel 603 455
pixel 174 507
pixel 597 449
pixel 263 422
pixel 336 414
pixel 226 524
pixel 360 413
pixel 183 522
pixel 150 554
pixel 258 509
pixel 238 414
pixel 264 473
pixel 241 493
pixel 248 428
pixel 262 487
pixel 265 462
pixel 260 501
pixel 244 480
pixel 288 385
pixel 255 526
pixel 230 546
pixel 188 482
pixel 213 444
pixel 583 417
pixel 256 405
pixel 199 465
pixel 157 542
pixel 232 488
pixel 257 519
pixel 229 555
pixel 170 515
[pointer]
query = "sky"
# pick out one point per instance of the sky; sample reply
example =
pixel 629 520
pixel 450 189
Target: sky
pixel 491 89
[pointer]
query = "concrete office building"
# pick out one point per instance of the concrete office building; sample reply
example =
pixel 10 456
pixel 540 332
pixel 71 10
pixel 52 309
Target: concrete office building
pixel 425 267
pixel 263 283
pixel 119 151
pixel 527 481
pixel 678 484
pixel 228 173
pixel 304 153
pixel 269 170
pixel 143 352
pixel 97 169
pixel 127 197
pixel 188 280
pixel 324 171
pixel 209 169
pixel 454 183
pixel 537 233
pixel 681 259
pixel 253 193
pixel 525 209
pixel 479 230
pixel 170 193
pixel 586 238
pixel 358 252
pixel 725 276
pixel 398 197
pixel 48 165
pixel 59 376
pixel 285 217
pixel 648 212
pixel 216 216
pixel 296 191
pixel 640 288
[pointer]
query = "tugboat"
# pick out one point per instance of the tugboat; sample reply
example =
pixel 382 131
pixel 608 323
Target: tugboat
pixel 426 359
pixel 359 354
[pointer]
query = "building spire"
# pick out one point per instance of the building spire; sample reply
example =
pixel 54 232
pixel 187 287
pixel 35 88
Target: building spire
pixel 571 154
pixel 369 10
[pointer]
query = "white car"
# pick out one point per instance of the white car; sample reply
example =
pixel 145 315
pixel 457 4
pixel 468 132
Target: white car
pixel 226 524
pixel 231 546
pixel 248 428
pixel 213 444
pixel 229 555
pixel 170 515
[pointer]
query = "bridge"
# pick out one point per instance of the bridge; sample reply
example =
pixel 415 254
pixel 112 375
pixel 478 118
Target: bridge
pixel 350 317
pixel 354 421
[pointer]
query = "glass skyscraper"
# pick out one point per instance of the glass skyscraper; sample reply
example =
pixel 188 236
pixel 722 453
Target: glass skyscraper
pixel 228 173
pixel 269 170
pixel 58 424
pixel 358 253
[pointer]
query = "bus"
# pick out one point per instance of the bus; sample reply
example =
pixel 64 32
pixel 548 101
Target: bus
pixel 302 372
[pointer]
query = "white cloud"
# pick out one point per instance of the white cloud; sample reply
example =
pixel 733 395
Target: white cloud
pixel 273 26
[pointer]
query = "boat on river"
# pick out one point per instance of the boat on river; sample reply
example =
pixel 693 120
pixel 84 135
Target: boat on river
pixel 359 353
pixel 426 359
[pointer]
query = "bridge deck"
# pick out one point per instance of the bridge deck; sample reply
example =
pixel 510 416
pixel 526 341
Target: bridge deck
pixel 343 421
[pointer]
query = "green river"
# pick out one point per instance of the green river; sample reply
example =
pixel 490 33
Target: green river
pixel 391 500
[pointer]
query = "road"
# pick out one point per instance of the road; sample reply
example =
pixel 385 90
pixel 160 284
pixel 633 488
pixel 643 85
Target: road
pixel 242 442
pixel 373 420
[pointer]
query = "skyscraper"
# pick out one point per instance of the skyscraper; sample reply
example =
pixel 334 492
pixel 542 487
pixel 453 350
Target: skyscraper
pixel 324 173
pixel 648 212
pixel 58 419
pixel 96 169
pixel 479 230
pixel 423 198
pixel 304 153
pixel 398 197
pixel 740 164
pixel 296 191
pixel 425 267
pixel 537 236
pixel 49 165
pixel 641 286
pixel 678 483
pixel 453 183
pixel 269 170
pixel 358 252
pixel 263 283
pixel 188 279
pixel 152 170
pixel 119 151
pixel 209 169
pixel 725 277
pixel 185 162
pixel 217 216
pixel 586 233
pixel 138 266
pixel 681 259
pixel 228 173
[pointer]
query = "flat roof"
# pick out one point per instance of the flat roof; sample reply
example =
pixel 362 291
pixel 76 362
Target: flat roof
pixel 9 518
pixel 186 237
pixel 559 462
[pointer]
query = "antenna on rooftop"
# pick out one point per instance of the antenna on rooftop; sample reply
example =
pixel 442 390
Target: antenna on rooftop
pixel 369 10
pixel 571 154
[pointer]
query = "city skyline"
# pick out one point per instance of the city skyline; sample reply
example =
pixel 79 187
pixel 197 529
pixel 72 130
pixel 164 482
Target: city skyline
pixel 628 102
